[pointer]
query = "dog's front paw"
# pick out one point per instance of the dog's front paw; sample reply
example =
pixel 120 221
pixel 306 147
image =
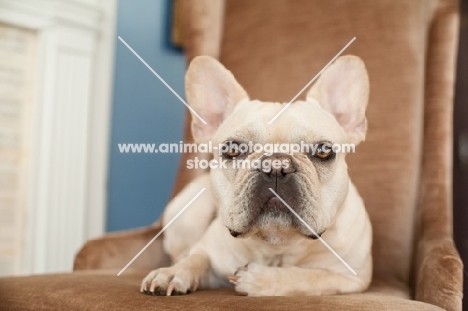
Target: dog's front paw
pixel 254 280
pixel 168 281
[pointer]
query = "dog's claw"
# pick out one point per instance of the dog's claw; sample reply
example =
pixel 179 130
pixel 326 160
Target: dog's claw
pixel 153 286
pixel 233 279
pixel 194 286
pixel 170 289
pixel 244 268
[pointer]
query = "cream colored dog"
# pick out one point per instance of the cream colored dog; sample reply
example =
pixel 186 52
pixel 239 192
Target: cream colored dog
pixel 238 231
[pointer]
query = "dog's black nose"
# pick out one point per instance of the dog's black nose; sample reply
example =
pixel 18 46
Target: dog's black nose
pixel 277 164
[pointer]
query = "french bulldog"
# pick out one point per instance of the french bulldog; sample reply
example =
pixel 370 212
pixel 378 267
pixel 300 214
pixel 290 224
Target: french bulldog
pixel 238 232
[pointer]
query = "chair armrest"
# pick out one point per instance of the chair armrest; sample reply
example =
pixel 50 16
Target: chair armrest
pixel 438 270
pixel 439 273
pixel 115 250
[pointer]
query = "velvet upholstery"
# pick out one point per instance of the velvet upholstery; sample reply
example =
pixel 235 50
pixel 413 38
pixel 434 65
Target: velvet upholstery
pixel 103 290
pixel 402 170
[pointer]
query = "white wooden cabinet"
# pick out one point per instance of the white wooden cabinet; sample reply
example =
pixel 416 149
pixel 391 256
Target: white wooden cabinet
pixel 53 189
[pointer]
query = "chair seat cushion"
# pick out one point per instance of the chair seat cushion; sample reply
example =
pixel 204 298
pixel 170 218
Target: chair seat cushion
pixel 104 290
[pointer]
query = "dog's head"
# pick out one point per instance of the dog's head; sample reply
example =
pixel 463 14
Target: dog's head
pixel 313 183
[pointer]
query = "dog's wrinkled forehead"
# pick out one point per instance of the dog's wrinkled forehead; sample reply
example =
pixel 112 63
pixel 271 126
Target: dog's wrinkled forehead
pixel 304 120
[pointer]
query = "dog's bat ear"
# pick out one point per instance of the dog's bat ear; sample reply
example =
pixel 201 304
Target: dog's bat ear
pixel 212 92
pixel 343 90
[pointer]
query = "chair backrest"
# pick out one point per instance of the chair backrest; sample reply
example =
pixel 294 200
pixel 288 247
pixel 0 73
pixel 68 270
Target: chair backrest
pixel 274 48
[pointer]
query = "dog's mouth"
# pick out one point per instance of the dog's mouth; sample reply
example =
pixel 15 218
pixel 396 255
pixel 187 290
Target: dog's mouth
pixel 270 210
pixel 257 211
pixel 274 205
pixel 276 214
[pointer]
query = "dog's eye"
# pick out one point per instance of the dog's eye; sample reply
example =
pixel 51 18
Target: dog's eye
pixel 231 150
pixel 324 152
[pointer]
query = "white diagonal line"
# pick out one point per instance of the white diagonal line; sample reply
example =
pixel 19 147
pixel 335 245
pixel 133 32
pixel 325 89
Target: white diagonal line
pixel 159 233
pixel 313 231
pixel 311 81
pixel 161 79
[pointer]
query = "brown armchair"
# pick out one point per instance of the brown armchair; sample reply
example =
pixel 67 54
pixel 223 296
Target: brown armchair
pixel 403 170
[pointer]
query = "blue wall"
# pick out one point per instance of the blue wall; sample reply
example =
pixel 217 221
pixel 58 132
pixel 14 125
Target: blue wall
pixel 144 111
